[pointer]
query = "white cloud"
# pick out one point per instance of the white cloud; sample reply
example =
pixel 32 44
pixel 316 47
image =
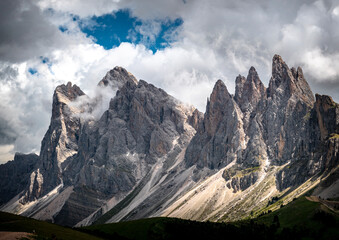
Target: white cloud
pixel 5 153
pixel 218 40
pixel 82 8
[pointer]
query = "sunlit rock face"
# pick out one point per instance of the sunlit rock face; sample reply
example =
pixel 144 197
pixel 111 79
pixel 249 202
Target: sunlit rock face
pixel 148 154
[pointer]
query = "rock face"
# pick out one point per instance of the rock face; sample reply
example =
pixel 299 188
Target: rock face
pixel 116 78
pixel 319 152
pixel 106 158
pixel 150 155
pixel 14 175
pixel 220 136
pixel 58 144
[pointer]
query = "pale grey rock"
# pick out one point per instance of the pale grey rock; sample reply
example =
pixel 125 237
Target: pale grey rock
pixel 244 182
pixel 219 139
pixel 141 127
pixel 116 78
pixel 319 153
pixel 59 143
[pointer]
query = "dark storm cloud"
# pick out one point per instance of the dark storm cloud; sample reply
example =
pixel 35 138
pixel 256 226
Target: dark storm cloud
pixel 24 31
pixel 8 74
pixel 7 133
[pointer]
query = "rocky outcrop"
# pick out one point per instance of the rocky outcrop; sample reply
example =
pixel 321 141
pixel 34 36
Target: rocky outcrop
pixel 219 139
pixel 289 100
pixel 242 183
pixel 319 153
pixel 250 95
pixel 240 179
pixel 327 116
pixel 15 175
pixel 249 92
pixel 59 143
pixel 116 78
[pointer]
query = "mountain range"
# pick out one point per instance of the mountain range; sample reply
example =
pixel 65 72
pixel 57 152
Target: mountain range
pixel 148 154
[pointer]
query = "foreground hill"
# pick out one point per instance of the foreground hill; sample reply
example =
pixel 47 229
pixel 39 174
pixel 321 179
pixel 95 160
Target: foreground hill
pixel 40 229
pixel 304 218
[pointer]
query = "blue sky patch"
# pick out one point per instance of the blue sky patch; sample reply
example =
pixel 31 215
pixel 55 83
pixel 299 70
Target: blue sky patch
pixel 110 30
pixel 45 60
pixel 63 28
pixel 32 71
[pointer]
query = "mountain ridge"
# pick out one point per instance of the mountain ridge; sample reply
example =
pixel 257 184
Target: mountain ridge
pixel 150 155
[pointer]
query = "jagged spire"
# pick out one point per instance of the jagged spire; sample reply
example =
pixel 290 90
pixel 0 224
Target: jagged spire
pixel 289 82
pixel 117 77
pixel 249 90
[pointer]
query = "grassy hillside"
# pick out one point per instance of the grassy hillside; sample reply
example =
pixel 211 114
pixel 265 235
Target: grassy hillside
pixel 173 228
pixel 317 218
pixel 43 230
pixel 304 218
pixel 301 219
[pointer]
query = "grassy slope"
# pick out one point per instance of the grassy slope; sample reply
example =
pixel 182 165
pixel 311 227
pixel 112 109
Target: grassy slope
pixel 297 212
pixel 301 219
pixel 174 228
pixel 137 229
pixel 302 213
pixel 14 223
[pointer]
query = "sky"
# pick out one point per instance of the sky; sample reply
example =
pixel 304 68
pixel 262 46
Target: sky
pixel 181 46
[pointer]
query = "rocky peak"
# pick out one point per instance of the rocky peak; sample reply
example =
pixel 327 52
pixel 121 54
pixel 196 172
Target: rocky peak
pixel 70 91
pixel 239 87
pixel 218 97
pixel 287 82
pixel 117 77
pixel 20 157
pixel 281 76
pixel 216 107
pixel 302 89
pixel 327 114
pixel 325 102
pixel 222 126
pixel 63 95
pixel 254 77
pixel 249 91
pixel 196 119
pixel 14 175
pixel 59 143
pixel 278 65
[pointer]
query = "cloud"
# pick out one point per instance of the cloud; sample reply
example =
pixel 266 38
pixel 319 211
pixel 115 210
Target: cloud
pixel 24 109
pixel 82 8
pixel 24 31
pixel 5 153
pixel 145 9
pixel 217 40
